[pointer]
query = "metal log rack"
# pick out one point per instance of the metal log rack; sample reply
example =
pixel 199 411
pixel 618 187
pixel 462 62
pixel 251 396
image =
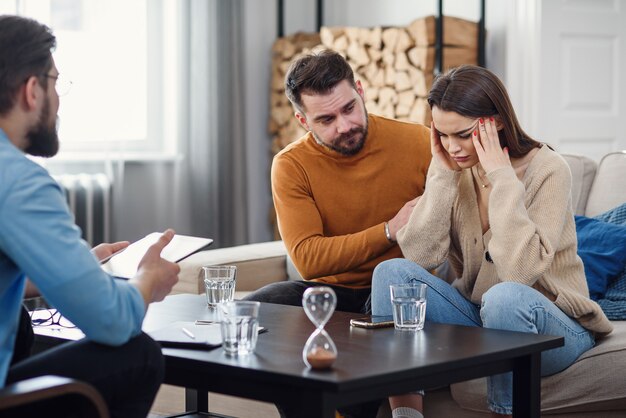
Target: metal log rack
pixel 438 29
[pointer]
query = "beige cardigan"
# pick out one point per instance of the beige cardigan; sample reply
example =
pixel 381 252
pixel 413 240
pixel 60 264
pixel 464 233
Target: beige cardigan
pixel 531 240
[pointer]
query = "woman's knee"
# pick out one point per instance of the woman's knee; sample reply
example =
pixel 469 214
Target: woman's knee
pixel 393 266
pixel 400 270
pixel 506 293
pixel 397 270
pixel 387 272
pixel 506 297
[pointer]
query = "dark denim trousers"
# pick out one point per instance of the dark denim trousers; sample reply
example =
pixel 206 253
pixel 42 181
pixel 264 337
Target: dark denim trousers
pixel 290 293
pixel 128 377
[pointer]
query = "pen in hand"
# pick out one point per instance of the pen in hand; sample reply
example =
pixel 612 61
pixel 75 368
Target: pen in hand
pixel 188 333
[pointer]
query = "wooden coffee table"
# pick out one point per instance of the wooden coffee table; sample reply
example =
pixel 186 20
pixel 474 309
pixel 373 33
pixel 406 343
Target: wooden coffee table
pixel 372 364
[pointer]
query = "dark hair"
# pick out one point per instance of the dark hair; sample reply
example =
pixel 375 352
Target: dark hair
pixel 317 72
pixel 475 92
pixel 25 51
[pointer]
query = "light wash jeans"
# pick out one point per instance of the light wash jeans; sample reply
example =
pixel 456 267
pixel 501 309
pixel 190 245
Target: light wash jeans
pixel 507 306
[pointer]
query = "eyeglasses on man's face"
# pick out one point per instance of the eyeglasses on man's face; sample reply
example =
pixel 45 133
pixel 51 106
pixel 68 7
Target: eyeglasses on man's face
pixel 61 84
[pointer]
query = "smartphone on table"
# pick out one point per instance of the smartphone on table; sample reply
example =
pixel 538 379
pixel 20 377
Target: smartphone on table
pixel 372 321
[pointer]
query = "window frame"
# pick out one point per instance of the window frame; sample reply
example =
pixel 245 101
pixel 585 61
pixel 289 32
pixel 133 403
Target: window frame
pixel 162 79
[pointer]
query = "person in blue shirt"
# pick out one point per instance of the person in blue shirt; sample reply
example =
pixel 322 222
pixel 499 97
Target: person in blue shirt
pixel 39 241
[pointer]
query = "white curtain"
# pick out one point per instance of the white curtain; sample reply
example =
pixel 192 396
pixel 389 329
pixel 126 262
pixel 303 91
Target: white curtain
pixel 213 171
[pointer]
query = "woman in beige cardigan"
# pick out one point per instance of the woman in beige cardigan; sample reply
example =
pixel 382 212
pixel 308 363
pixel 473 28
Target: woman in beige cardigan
pixel 497 207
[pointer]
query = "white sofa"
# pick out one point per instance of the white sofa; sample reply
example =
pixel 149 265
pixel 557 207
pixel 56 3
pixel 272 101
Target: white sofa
pixel 595 386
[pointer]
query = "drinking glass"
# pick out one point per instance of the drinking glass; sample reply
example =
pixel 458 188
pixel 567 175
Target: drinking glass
pixel 219 284
pixel 239 326
pixel 409 306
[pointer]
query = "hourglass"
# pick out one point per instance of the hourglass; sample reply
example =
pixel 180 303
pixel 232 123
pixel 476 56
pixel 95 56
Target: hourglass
pixel 319 304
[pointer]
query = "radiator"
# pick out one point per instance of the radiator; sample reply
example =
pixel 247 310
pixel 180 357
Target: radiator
pixel 89 198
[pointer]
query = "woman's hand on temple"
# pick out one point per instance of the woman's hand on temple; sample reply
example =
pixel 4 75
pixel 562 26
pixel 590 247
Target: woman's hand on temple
pixel 487 145
pixel 439 152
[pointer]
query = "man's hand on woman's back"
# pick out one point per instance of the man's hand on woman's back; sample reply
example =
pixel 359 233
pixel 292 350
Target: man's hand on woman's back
pixel 401 218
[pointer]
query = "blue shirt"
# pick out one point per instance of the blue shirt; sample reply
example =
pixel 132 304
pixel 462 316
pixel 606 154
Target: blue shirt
pixel 39 240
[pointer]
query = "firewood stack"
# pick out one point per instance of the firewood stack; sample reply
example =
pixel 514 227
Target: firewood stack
pixel 395 66
pixel 283 126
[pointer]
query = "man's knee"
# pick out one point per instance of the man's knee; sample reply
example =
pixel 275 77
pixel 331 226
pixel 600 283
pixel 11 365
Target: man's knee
pixel 24 339
pixel 282 293
pixel 148 351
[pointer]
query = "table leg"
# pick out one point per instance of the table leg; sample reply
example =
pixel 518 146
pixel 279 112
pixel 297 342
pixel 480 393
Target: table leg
pixel 196 400
pixel 527 387
pixel 311 405
pixel 317 412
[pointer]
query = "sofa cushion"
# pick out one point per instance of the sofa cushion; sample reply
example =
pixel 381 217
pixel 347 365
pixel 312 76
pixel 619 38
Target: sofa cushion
pixel 292 271
pixel 583 171
pixel 609 184
pixel 257 265
pixel 595 382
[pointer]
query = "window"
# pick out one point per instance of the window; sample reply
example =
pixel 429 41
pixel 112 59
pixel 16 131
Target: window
pixel 117 53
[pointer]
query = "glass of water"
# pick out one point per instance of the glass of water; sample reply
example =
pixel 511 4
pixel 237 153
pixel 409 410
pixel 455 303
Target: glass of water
pixel 409 306
pixel 239 321
pixel 219 284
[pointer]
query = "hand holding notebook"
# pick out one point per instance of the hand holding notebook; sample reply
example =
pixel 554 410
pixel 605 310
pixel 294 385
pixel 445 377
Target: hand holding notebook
pixel 124 263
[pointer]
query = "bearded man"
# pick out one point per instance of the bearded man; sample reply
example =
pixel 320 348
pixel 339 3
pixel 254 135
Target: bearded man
pixel 38 240
pixel 344 189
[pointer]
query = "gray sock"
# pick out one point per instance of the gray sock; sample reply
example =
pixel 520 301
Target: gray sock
pixel 406 412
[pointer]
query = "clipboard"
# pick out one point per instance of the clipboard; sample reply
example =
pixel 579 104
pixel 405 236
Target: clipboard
pixel 186 334
pixel 124 263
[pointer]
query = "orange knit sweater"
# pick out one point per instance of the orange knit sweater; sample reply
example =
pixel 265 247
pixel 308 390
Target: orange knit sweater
pixel 331 208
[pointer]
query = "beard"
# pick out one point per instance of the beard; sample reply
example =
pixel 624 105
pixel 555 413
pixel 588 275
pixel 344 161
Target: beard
pixel 349 143
pixel 43 140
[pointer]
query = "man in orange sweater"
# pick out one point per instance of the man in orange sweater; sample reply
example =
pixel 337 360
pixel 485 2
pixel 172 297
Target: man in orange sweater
pixel 344 189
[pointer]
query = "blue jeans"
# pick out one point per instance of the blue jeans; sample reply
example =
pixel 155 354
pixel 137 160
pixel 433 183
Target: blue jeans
pixel 527 310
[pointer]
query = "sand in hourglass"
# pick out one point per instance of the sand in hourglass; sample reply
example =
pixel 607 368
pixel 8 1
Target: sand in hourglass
pixel 320 358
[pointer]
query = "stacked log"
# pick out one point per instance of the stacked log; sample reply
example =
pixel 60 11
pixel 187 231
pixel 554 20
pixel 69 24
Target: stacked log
pixel 283 126
pixel 394 64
